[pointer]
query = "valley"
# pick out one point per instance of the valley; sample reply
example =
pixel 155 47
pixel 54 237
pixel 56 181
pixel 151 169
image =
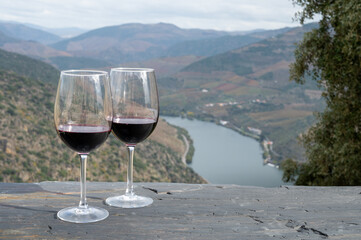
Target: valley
pixel 238 80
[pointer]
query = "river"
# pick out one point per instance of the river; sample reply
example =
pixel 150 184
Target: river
pixel 223 156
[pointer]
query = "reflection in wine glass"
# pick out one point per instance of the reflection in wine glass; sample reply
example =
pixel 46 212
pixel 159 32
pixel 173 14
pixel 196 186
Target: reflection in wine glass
pixel 82 115
pixel 135 116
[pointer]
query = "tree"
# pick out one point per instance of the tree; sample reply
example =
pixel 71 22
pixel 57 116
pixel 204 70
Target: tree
pixel 290 170
pixel 331 55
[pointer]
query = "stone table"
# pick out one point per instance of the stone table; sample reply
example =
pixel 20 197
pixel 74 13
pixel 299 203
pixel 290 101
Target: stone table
pixel 184 211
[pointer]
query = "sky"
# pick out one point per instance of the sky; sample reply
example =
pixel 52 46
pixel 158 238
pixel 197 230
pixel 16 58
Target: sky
pixel 227 15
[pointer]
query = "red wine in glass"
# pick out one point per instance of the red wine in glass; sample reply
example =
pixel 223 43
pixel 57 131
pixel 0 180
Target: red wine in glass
pixel 82 117
pixel 83 138
pixel 135 116
pixel 133 130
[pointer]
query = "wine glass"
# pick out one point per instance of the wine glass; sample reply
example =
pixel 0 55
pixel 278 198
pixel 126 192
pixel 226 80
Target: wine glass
pixel 82 115
pixel 135 116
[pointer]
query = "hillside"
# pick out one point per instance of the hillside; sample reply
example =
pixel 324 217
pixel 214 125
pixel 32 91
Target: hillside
pixel 248 87
pixel 69 62
pixel 67 32
pixel 13 43
pixel 254 57
pixel 5 39
pixel 214 46
pixel 33 49
pixel 31 151
pixel 131 42
pixel 29 67
pixel 26 33
pixel 165 66
pixel 209 47
pixel 24 43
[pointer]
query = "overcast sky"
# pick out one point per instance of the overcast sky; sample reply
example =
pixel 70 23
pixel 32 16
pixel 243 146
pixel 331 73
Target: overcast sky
pixel 227 15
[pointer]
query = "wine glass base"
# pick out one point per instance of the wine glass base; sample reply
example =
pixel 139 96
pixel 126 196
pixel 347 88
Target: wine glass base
pixel 82 215
pixel 126 201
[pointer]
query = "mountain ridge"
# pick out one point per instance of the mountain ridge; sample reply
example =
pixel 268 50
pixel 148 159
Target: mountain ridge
pixel 214 46
pixel 130 42
pixel 26 33
pixel 134 42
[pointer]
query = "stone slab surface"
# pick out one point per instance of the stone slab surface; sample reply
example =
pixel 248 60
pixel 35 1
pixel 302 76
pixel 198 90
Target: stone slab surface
pixel 184 211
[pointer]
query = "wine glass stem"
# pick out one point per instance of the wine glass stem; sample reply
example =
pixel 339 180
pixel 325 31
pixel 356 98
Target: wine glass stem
pixel 83 203
pixel 130 189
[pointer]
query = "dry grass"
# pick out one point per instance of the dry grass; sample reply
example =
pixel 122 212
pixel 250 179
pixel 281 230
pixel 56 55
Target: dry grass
pixel 239 91
pixel 251 91
pixel 252 83
pixel 226 87
pixel 167 65
pixel 218 111
pixel 237 79
pixel 167 135
pixel 281 117
pixel 210 85
pixel 272 68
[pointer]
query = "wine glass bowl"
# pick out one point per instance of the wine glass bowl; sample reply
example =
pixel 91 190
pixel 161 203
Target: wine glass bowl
pixel 135 116
pixel 82 117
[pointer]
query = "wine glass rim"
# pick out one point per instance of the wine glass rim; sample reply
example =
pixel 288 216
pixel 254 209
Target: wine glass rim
pixel 83 72
pixel 127 69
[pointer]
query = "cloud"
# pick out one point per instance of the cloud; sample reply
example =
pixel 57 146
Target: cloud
pixel 206 14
